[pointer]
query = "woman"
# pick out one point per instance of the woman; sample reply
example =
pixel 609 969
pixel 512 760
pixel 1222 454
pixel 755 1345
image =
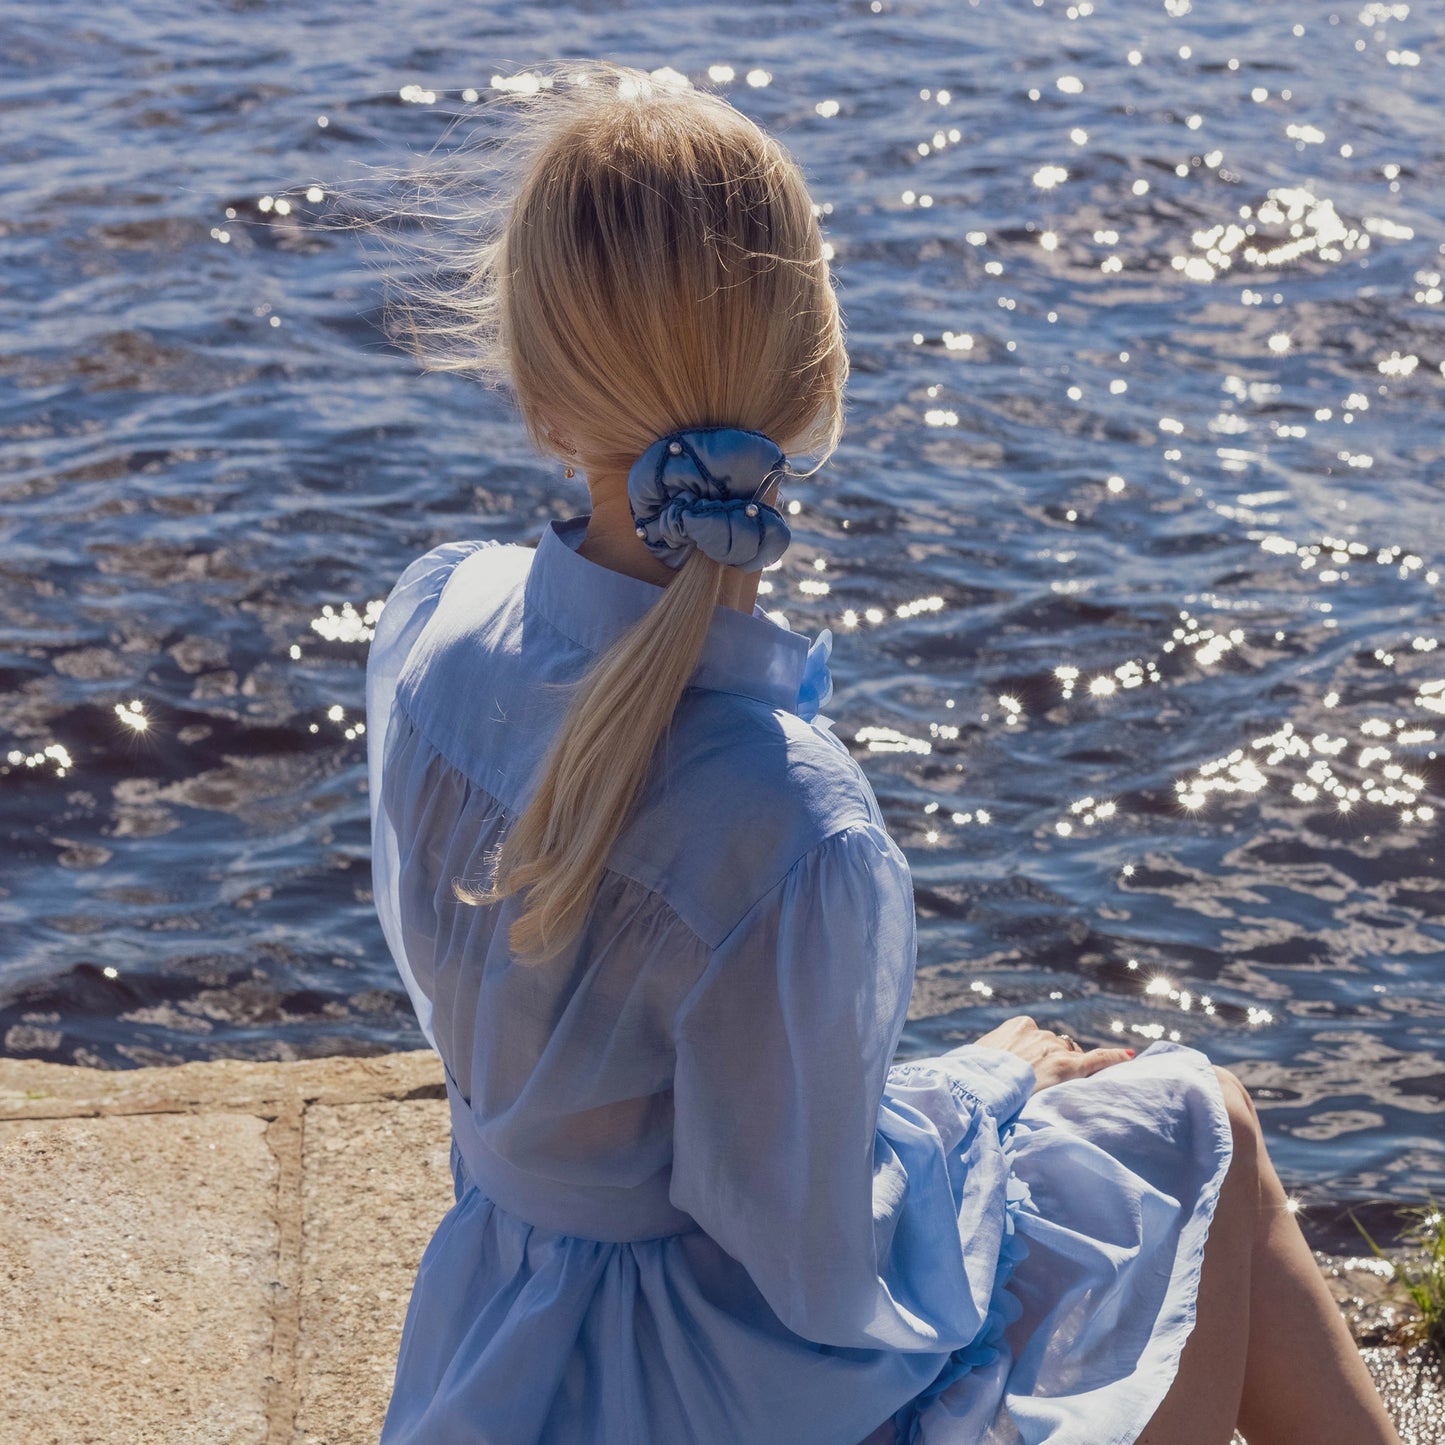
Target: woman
pixel 651 919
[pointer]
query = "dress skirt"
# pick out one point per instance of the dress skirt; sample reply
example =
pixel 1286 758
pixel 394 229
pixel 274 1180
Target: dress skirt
pixel 1123 1171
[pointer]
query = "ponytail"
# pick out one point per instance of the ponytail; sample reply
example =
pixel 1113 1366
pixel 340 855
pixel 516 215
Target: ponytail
pixel 595 769
pixel 653 262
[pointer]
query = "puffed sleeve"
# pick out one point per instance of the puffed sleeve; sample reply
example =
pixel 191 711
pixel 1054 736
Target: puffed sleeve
pixel 868 1202
pixel 408 608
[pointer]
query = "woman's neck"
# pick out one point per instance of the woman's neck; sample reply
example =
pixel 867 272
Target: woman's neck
pixel 612 542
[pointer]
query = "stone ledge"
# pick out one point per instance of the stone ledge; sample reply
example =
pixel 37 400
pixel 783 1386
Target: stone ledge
pixel 216 1252
pixel 31 1089
pixel 140 1312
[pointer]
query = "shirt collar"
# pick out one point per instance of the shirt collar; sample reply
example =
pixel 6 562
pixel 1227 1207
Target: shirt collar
pixel 594 606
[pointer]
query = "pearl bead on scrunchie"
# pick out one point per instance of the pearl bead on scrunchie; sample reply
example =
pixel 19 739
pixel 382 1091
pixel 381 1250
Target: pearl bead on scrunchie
pixel 700 488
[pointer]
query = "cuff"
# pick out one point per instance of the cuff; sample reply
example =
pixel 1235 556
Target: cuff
pixel 1002 1082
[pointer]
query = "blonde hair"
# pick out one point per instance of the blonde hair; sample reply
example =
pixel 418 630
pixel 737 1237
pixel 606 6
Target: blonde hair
pixel 659 267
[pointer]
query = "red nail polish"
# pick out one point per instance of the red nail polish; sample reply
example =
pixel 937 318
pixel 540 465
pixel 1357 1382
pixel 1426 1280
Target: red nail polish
pixel 1130 1052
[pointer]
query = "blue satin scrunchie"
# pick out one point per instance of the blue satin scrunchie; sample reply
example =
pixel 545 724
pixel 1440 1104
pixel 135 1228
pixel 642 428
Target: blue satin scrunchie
pixel 700 488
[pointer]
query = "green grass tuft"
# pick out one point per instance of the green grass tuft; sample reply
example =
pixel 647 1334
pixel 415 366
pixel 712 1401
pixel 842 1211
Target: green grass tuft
pixel 1421 1274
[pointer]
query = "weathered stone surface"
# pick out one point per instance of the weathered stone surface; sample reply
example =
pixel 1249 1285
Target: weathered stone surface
pixel 1371 1300
pixel 375 1182
pixel 31 1089
pixel 99 1377
pixel 137 1263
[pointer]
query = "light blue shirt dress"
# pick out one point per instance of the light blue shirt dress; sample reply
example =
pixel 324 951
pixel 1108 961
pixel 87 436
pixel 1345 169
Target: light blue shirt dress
pixel 696 1201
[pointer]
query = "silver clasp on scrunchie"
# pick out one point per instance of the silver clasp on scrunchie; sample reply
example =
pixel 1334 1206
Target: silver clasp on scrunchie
pixel 702 488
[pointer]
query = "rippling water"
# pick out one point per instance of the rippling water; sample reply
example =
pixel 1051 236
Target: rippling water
pixel 1132 549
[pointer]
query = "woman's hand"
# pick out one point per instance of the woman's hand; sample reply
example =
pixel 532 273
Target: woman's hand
pixel 1055 1057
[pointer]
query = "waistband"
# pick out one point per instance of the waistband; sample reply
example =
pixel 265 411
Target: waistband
pixel 605 1213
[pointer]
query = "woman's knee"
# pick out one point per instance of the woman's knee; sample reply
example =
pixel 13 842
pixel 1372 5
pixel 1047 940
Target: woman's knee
pixel 1243 1117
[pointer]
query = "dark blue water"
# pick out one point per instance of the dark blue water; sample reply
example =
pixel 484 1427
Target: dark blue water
pixel 1132 549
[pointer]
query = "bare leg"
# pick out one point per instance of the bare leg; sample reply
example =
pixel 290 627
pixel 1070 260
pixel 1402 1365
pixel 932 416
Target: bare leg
pixel 1203 1402
pixel 1304 1379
